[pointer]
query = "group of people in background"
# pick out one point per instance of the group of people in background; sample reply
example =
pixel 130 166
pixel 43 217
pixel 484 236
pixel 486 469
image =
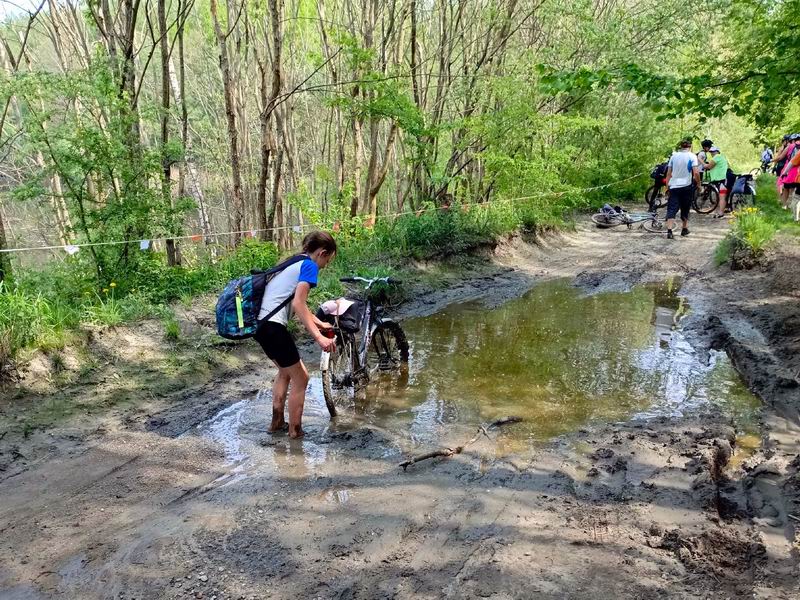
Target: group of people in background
pixel 786 166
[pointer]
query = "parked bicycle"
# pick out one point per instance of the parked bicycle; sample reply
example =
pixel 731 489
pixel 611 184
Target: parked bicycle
pixel 614 216
pixel 743 192
pixel 367 343
pixel 656 194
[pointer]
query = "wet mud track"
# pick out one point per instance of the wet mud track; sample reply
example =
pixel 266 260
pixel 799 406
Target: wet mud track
pixel 156 507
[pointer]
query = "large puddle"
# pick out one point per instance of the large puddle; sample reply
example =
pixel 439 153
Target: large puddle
pixel 555 357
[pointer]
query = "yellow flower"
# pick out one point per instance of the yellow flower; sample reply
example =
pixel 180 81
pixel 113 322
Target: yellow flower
pixel 113 285
pixel 105 290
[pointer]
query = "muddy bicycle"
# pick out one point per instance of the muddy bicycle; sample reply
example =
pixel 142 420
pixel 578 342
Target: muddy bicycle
pixel 614 216
pixel 367 344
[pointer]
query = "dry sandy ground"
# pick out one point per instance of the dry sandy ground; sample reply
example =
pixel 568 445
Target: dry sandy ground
pixel 137 503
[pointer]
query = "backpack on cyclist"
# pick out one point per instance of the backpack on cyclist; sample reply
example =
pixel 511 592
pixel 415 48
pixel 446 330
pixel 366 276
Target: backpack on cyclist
pixel 660 171
pixel 240 302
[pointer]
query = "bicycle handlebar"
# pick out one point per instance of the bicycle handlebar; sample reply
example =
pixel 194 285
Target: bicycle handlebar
pixel 369 282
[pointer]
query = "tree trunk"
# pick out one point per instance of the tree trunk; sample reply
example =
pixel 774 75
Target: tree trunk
pixel 189 176
pixel 230 112
pixel 173 252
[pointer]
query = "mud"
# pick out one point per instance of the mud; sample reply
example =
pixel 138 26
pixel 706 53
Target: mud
pixel 153 499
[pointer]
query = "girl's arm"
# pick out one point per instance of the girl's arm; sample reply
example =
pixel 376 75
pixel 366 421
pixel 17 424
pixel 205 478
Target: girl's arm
pixel 309 321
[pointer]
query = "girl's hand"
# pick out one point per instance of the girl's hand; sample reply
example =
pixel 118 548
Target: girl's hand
pixel 327 344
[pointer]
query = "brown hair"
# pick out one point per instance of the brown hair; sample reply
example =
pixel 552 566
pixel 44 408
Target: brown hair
pixel 315 240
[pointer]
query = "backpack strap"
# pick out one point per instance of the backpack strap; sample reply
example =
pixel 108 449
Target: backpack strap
pixel 274 271
pixel 277 309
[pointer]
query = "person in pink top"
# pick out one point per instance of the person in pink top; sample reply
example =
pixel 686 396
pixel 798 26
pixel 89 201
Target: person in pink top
pixel 788 179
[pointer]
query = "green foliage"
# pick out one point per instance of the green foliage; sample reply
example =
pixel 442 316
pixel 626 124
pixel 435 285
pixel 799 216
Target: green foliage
pixel 754 228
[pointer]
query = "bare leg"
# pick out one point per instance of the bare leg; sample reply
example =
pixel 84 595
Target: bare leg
pixel 279 388
pixel 297 398
pixel 785 196
pixel 722 204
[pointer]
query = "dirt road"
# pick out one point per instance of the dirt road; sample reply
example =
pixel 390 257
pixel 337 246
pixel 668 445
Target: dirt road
pixel 157 500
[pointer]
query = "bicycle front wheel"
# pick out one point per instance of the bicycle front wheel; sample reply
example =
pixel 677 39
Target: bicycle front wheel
pixel 339 372
pixel 707 200
pixel 388 352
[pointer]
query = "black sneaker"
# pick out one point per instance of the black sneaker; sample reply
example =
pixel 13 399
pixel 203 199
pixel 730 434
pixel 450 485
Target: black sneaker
pixel 669 235
pixel 684 232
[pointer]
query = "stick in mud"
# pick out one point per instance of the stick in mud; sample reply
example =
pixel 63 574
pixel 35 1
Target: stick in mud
pixel 482 430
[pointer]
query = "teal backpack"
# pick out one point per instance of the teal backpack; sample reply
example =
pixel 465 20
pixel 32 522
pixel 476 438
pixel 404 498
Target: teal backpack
pixel 240 302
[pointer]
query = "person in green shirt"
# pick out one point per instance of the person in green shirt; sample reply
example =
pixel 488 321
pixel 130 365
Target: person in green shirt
pixel 716 167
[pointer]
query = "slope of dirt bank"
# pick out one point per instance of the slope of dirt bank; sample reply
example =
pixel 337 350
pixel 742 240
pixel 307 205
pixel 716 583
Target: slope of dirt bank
pixel 138 504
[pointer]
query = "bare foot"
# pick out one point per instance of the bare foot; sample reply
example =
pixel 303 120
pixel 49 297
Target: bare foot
pixel 296 432
pixel 278 422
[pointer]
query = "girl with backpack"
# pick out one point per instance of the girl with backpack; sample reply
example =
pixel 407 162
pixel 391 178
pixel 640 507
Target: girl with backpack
pixel 287 293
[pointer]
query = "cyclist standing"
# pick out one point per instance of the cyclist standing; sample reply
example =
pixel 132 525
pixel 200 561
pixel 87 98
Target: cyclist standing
pixel 716 167
pixel 290 289
pixel 682 172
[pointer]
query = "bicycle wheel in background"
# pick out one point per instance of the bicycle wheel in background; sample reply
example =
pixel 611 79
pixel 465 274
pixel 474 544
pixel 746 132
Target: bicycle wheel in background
pixel 707 200
pixel 655 225
pixel 388 352
pixel 339 372
pixel 739 200
pixel 655 198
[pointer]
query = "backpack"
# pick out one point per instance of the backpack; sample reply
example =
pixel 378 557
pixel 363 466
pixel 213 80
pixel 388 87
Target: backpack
pixel 240 302
pixel 660 170
pixel 349 320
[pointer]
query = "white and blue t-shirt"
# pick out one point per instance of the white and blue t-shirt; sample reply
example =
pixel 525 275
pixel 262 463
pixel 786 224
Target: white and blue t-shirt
pixel 283 285
pixel 682 163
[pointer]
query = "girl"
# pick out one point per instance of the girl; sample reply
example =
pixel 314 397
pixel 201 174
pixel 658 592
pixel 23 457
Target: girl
pixel 294 281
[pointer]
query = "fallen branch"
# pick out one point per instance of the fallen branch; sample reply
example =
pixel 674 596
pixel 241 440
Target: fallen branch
pixel 447 452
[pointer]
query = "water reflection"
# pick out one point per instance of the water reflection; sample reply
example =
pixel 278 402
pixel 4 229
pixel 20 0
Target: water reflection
pixel 556 357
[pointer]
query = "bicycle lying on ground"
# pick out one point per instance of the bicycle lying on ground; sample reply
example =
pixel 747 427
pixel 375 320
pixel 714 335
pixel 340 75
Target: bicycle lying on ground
pixel 613 216
pixel 367 343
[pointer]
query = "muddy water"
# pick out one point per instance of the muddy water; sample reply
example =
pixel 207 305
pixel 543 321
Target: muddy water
pixel 556 357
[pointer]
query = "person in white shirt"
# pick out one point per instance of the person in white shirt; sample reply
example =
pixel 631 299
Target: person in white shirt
pixel 683 170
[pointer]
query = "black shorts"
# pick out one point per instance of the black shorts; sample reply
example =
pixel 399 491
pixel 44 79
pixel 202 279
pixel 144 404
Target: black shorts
pixel 277 343
pixel 680 198
pixel 791 186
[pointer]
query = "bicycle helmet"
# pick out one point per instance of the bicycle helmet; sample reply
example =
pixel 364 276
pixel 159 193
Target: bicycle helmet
pixel 794 137
pixel 706 144
pixel 787 137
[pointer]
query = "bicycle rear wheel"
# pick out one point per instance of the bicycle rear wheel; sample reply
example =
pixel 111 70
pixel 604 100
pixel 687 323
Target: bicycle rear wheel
pixel 339 372
pixel 605 221
pixel 739 200
pixel 388 352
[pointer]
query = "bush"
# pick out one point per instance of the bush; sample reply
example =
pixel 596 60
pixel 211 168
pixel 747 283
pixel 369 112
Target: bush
pixel 748 238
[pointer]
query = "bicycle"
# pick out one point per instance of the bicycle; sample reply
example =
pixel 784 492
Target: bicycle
pixel 655 196
pixel 382 347
pixel 706 199
pixel 743 192
pixel 614 217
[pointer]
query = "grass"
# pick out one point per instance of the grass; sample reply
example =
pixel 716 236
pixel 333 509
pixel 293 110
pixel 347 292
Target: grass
pixel 754 228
